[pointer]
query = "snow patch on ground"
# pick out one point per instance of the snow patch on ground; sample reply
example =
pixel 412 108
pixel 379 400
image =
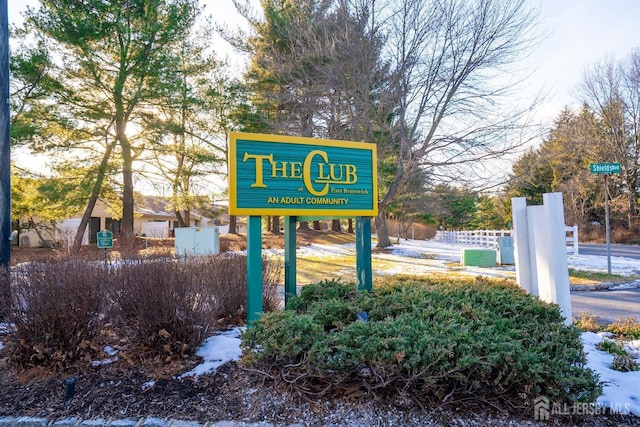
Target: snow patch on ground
pixel 216 351
pixel 619 391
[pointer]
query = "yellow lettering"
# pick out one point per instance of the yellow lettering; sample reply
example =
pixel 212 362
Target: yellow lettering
pixel 351 177
pixel 332 172
pixel 327 174
pixel 337 174
pixel 282 169
pixel 296 170
pixel 321 176
pixel 258 158
pixel 307 172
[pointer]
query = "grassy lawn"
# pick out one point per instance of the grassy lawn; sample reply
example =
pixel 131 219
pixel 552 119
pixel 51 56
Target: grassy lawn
pixel 312 268
pixel 579 277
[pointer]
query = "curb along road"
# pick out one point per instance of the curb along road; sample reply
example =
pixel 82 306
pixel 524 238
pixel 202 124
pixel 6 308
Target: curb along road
pixel 127 422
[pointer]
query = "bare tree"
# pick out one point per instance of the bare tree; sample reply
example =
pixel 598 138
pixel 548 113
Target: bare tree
pixel 452 61
pixel 427 81
pixel 612 91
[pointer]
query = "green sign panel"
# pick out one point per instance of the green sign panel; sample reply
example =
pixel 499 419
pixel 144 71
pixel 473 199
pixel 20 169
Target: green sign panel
pixel 602 168
pixel 105 239
pixel 282 175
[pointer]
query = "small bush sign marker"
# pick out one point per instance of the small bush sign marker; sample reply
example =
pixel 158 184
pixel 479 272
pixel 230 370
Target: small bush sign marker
pixel 606 169
pixel 105 241
pixel 300 178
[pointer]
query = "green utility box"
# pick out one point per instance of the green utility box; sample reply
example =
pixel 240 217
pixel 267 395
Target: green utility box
pixel 506 254
pixel 479 257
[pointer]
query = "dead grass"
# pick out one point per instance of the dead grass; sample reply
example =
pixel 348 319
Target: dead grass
pixel 587 323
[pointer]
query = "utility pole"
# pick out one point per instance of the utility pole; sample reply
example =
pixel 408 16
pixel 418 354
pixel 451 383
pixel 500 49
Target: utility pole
pixel 5 140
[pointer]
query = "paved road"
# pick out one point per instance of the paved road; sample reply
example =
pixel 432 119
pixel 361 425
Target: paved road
pixel 608 306
pixel 628 251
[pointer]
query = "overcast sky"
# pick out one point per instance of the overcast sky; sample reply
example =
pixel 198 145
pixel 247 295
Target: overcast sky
pixel 579 33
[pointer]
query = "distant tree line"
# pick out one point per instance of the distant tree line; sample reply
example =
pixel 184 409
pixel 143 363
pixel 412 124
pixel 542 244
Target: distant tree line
pixel 123 93
pixel 606 129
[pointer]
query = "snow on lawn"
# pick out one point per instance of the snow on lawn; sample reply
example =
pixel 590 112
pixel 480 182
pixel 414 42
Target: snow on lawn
pixel 448 253
pixel 620 390
pixel 619 265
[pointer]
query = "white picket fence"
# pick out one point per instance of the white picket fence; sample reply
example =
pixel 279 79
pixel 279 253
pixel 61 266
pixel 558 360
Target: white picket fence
pixel 489 238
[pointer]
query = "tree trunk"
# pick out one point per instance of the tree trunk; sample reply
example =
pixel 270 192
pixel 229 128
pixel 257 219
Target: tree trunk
pixel 316 225
pixel 93 198
pixel 381 230
pixel 127 235
pixel 350 225
pixel 42 240
pixel 335 225
pixel 179 217
pixel 275 225
pixel 233 221
pixel 633 202
pixel 304 225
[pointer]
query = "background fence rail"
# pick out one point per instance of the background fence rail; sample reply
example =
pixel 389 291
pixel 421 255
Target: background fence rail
pixel 489 238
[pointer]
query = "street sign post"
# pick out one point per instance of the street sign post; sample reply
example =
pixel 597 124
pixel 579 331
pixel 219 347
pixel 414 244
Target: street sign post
pixel 606 169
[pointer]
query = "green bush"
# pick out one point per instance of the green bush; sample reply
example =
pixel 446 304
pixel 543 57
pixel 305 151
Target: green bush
pixel 611 346
pixel 624 363
pixel 426 340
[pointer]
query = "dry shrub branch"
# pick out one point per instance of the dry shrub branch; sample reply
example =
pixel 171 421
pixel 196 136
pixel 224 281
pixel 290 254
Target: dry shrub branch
pixel 56 307
pixel 163 307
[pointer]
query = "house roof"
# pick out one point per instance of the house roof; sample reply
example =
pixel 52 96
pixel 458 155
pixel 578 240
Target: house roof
pixel 153 206
pixel 160 207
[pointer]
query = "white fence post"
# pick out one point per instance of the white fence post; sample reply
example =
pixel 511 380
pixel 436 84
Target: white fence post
pixel 521 245
pixel 573 239
pixel 559 287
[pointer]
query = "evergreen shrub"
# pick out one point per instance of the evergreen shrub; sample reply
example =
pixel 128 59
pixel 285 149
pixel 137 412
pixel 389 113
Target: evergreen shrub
pixel 624 363
pixel 428 340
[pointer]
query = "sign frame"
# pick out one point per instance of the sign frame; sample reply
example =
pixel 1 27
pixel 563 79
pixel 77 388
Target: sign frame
pixel 310 150
pixel 104 239
pixel 605 168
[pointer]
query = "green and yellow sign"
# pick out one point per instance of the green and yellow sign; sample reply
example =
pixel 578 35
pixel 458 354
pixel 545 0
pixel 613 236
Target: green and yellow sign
pixel 283 175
